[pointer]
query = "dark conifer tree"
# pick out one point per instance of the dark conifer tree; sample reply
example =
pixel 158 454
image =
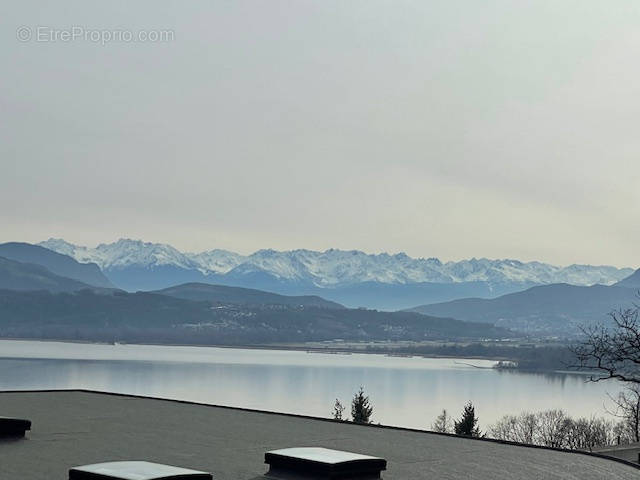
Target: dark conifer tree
pixel 468 423
pixel 361 408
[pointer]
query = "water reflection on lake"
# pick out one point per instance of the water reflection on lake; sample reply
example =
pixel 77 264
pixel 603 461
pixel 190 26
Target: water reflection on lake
pixel 405 391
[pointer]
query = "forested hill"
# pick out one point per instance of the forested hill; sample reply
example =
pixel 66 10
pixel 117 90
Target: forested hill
pixel 147 317
pixel 549 309
pixel 245 296
pixel 26 276
pixel 56 263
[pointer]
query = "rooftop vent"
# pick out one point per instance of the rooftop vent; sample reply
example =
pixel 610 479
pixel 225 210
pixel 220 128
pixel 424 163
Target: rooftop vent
pixel 135 471
pixel 13 427
pixel 322 463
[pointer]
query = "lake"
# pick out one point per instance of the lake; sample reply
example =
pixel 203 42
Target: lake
pixel 407 392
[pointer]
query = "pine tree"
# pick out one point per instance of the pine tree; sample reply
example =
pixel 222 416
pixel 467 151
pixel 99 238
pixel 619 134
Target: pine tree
pixel 468 423
pixel 338 410
pixel 361 408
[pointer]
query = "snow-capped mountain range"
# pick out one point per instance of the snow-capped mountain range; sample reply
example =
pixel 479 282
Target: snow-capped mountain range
pixel 332 268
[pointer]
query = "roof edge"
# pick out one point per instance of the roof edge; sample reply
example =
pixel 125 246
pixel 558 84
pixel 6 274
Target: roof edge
pixel 331 420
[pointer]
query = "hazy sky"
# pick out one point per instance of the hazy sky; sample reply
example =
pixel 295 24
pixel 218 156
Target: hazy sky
pixel 440 128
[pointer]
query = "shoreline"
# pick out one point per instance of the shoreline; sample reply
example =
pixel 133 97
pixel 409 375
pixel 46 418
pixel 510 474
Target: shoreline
pixel 396 350
pixel 275 347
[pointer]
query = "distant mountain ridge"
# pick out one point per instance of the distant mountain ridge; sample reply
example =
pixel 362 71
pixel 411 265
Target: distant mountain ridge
pixel 242 296
pixel 332 268
pixel 30 277
pixel 632 281
pixel 149 317
pixel 558 309
pixel 58 263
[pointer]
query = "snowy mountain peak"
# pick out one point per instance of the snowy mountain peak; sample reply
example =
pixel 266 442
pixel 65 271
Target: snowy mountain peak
pixel 59 245
pixel 124 253
pixel 335 267
pixel 217 261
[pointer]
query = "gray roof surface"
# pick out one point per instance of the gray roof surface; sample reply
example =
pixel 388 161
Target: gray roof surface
pixel 76 428
pixel 630 453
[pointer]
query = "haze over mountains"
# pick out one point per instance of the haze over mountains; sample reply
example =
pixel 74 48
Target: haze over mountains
pixel 34 302
pixel 352 278
pixel 83 303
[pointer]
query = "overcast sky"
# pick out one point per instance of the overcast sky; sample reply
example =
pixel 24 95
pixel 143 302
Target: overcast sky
pixel 446 128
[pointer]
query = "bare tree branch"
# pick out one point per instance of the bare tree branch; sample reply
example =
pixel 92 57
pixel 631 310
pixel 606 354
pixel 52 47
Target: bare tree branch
pixel 612 353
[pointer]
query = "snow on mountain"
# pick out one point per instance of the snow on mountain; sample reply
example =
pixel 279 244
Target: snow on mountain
pixel 60 246
pixel 124 253
pixel 339 267
pixel 290 265
pixel 217 261
pixel 333 267
pixel 81 254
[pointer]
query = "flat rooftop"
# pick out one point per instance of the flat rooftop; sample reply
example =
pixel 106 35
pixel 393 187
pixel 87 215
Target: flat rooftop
pixel 630 452
pixel 73 428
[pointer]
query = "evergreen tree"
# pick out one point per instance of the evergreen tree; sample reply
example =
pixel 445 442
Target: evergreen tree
pixel 361 408
pixel 468 423
pixel 338 410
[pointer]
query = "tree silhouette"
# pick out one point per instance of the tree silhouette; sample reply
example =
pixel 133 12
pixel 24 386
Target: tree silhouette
pixel 613 351
pixel 468 423
pixel 361 408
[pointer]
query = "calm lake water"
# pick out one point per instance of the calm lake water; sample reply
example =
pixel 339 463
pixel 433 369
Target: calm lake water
pixel 406 392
